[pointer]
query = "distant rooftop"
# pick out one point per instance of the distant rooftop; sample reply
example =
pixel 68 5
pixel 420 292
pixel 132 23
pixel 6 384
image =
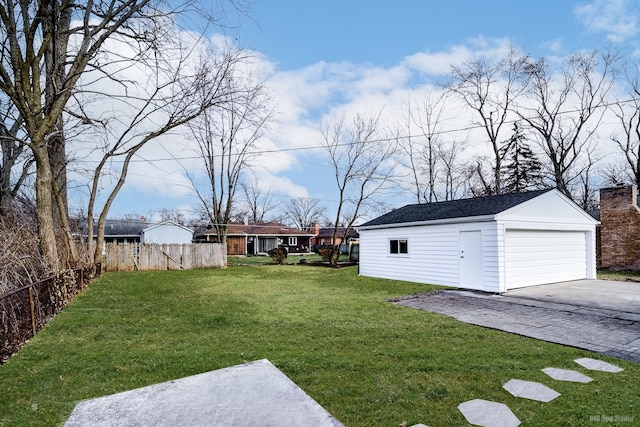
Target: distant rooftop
pixel 263 229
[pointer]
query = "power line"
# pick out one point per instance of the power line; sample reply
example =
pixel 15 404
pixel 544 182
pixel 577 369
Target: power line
pixel 372 141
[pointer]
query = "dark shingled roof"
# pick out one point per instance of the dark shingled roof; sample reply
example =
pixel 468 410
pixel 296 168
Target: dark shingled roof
pixel 117 227
pixel 477 206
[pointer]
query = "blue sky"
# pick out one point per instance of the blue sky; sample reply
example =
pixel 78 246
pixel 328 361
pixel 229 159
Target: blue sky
pixel 296 34
pixel 326 56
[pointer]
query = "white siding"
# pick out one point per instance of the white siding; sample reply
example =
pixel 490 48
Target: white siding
pixel 549 208
pixel 546 239
pixel 434 254
pixel 535 257
pixel 167 233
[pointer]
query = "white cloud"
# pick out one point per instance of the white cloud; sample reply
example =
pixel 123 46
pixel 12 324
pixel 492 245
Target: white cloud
pixel 302 97
pixel 617 18
pixel 555 46
pixel 439 63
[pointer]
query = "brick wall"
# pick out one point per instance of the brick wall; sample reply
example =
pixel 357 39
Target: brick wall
pixel 620 228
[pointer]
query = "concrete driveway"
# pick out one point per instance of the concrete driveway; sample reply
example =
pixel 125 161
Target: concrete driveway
pixel 596 315
pixel 600 294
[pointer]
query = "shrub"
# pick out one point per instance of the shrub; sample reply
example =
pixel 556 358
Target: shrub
pixel 20 261
pixel 325 254
pixel 278 255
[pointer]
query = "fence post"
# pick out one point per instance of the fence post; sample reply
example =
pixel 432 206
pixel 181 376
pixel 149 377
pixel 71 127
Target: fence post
pixel 33 311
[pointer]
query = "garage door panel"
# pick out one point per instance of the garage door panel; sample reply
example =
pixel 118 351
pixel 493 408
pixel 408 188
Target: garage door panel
pixel 542 256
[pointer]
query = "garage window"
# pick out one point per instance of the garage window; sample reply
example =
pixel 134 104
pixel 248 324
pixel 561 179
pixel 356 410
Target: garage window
pixel 398 246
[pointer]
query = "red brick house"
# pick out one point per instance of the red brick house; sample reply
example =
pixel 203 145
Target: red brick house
pixel 619 228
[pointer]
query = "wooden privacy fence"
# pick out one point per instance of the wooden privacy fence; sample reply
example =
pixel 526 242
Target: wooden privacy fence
pixel 137 256
pixel 26 310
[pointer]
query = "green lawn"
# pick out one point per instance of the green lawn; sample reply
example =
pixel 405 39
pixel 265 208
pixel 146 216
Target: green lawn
pixel 620 275
pixel 368 362
pixel 267 260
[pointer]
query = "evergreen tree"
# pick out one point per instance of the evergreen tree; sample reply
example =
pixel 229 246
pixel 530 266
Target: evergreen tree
pixel 521 169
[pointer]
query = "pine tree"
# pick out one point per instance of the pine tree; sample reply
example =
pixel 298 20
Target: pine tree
pixel 522 171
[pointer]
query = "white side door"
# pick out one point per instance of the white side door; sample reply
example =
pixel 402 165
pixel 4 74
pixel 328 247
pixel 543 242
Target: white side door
pixel 471 260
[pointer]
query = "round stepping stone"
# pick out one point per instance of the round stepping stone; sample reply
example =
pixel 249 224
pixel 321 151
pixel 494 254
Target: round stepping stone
pixel 530 390
pixel 567 375
pixel 597 365
pixel 488 414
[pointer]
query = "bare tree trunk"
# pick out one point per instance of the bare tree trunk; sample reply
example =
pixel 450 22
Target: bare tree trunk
pixel 57 23
pixel 12 152
pixel 44 207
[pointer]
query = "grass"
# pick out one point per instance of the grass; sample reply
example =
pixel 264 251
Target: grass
pixel 266 260
pixel 620 275
pixel 367 361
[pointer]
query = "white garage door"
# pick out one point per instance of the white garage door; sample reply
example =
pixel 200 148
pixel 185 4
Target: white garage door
pixel 542 256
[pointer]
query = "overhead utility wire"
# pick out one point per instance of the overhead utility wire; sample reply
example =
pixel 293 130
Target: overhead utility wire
pixel 317 147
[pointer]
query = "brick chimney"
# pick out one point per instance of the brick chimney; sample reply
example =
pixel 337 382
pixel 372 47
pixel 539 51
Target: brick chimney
pixel 620 227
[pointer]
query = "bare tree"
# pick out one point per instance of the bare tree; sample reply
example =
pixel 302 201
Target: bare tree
pixel 259 201
pixel 421 152
pixel 303 212
pixel 586 192
pixel 567 109
pixel 490 89
pixel 15 163
pixel 183 88
pixel 34 39
pixel 47 46
pixel 174 215
pixel 453 170
pixel 360 164
pixel 628 138
pixel 477 177
pixel 226 138
pixel 615 173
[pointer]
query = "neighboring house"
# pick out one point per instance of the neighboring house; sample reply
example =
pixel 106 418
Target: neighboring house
pixel 140 231
pixel 492 243
pixel 122 230
pixel 260 238
pixel 166 232
pixel 324 237
pixel 619 246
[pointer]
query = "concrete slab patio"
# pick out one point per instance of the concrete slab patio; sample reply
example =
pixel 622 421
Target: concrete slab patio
pixel 600 316
pixel 622 297
pixel 253 394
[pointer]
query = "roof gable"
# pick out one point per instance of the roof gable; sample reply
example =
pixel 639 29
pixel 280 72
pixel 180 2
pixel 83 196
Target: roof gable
pixel 168 223
pixel 453 209
pixel 552 206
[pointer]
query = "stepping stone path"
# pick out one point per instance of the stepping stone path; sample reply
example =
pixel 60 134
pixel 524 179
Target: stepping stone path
pixel 530 390
pixel 567 375
pixel 487 413
pixel 597 365
pixel 493 414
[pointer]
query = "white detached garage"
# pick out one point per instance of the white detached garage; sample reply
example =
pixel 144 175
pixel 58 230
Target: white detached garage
pixel 492 243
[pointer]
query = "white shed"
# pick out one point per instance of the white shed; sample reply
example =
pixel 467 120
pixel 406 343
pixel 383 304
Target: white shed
pixel 492 243
pixel 167 232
